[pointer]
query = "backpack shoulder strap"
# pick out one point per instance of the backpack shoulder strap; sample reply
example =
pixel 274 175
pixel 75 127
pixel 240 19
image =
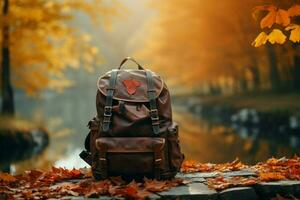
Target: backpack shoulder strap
pixel 152 102
pixel 109 100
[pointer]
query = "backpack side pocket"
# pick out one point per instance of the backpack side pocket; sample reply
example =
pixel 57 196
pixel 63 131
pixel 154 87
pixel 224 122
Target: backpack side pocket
pixel 94 126
pixel 175 156
pixel 89 142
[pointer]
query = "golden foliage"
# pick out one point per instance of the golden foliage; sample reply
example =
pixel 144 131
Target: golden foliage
pixel 281 17
pixel 278 16
pixel 44 43
pixel 261 39
pixel 192 43
pixel 294 10
pixel 276 36
pixel 269 19
pixel 295 32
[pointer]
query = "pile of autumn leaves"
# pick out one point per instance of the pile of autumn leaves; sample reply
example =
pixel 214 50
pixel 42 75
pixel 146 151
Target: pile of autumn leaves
pixel 60 182
pixel 271 170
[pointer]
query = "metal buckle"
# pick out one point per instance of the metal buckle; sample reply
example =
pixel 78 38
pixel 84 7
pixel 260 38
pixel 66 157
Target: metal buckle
pixel 107 111
pixel 154 114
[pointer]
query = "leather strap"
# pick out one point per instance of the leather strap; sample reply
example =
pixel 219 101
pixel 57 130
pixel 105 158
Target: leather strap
pixel 129 58
pixel 109 100
pixel 157 162
pixel 103 161
pixel 152 102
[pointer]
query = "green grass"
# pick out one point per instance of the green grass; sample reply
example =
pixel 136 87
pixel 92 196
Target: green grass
pixel 261 102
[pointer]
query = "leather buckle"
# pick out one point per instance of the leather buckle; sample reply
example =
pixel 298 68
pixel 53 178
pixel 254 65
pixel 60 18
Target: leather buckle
pixel 107 111
pixel 154 114
pixel 106 119
pixel 156 122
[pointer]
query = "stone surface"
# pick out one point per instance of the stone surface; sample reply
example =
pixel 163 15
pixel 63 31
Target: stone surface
pixel 240 173
pixel 270 189
pixel 195 179
pixel 191 177
pixel 198 175
pixel 154 197
pixel 241 193
pixel 99 198
pixel 291 187
pixel 197 191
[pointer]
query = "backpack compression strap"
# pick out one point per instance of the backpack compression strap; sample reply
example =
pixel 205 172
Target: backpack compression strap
pixel 152 102
pixel 109 100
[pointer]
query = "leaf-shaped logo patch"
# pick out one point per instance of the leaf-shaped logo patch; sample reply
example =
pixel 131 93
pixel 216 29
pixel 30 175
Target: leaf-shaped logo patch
pixel 131 85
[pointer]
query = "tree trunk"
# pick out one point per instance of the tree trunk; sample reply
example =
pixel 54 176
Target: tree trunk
pixel 297 72
pixel 243 85
pixel 273 68
pixel 256 77
pixel 7 90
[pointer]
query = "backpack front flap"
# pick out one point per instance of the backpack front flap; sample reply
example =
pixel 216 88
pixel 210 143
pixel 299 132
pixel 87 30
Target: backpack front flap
pixel 131 111
pixel 131 85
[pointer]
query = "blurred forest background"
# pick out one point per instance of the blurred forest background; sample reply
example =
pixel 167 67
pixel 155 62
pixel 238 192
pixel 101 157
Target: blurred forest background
pixel 233 68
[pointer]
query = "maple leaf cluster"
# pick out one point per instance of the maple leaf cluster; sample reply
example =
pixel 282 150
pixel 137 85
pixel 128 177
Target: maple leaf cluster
pixel 189 166
pixel 280 17
pixel 59 182
pixel 279 169
pixel 271 170
pixel 221 182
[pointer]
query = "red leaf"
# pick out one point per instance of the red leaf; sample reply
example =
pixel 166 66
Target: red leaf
pixel 131 85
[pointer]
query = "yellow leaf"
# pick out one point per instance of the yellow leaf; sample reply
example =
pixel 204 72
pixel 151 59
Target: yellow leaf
pixel 294 10
pixel 269 19
pixel 282 17
pixel 260 39
pixel 7 177
pixel 295 32
pixel 276 36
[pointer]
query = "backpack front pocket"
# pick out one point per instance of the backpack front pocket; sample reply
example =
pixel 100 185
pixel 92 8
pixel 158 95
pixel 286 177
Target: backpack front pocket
pixel 128 156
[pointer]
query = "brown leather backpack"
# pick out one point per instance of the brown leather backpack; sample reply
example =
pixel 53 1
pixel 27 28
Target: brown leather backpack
pixel 133 134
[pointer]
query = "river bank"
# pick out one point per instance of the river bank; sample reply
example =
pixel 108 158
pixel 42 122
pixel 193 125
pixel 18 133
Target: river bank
pixel 253 120
pixel 262 102
pixel 275 110
pixel 20 140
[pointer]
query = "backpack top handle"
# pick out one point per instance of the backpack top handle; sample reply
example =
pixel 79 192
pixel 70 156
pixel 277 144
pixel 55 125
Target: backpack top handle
pixel 129 58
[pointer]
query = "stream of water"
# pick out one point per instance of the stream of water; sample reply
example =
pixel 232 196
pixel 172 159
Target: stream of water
pixel 66 116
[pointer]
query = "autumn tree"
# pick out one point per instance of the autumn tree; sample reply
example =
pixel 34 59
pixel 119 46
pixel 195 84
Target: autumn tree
pixel 208 46
pixel 39 42
pixel 280 22
pixel 202 44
